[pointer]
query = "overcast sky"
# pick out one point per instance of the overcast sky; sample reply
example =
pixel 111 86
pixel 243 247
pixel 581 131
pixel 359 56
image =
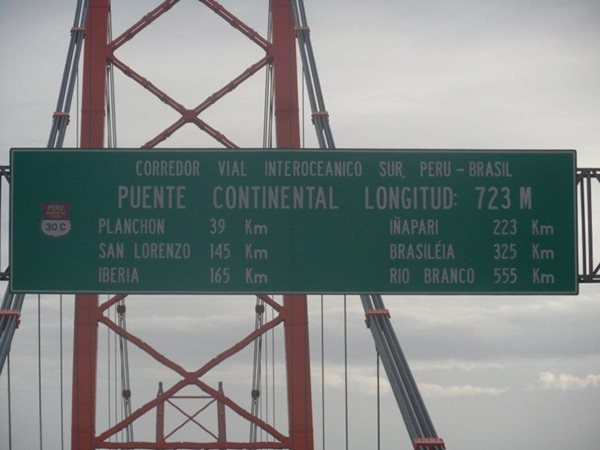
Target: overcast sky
pixel 500 371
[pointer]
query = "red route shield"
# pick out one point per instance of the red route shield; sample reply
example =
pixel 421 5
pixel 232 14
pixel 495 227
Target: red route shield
pixel 55 219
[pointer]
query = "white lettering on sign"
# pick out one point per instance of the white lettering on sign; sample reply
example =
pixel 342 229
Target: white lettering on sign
pixel 422 251
pixel 449 275
pixel 161 168
pixel 162 250
pixel 409 197
pixel 435 169
pixel 232 169
pixel 273 197
pixel 399 275
pixel 491 169
pixel 391 169
pixel 541 253
pixel 255 253
pixel 413 227
pixel 252 277
pixel 319 168
pixel 134 226
pixel 541 229
pixel 111 275
pixel 251 228
pixel 539 277
pixel 151 197
pixel 111 250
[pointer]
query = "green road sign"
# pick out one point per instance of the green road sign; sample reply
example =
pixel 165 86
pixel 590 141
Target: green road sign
pixel 345 221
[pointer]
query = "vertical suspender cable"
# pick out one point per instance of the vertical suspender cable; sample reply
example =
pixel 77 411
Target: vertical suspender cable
pixel 266 390
pixel 125 378
pixel 303 108
pixel 322 374
pixel 346 368
pixel 9 403
pixel 62 379
pixel 109 374
pixel 269 92
pixel 273 368
pixel 39 336
pixel 116 389
pixel 255 400
pixel 119 314
pixel 77 119
pixel 378 406
pixel 118 406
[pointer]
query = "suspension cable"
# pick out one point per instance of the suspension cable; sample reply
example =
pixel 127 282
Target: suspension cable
pixel 266 396
pixel 302 123
pixel 322 375
pixel 9 403
pixel 346 368
pixel 115 378
pixel 269 91
pixel 39 336
pixel 77 116
pixel 378 404
pixel 108 378
pixel 119 314
pixel 62 378
pixel 65 96
pixel 116 389
pixel 256 369
pixel 274 415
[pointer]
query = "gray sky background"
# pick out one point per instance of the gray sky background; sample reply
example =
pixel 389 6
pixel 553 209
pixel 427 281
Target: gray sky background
pixel 504 371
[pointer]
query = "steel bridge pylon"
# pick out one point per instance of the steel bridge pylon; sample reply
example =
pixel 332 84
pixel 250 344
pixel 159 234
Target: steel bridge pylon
pixel 280 56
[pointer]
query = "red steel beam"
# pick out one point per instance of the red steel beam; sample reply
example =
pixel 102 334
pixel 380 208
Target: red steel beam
pixel 85 340
pixel 192 445
pixel 269 301
pixel 232 84
pixel 236 23
pixel 192 115
pixel 191 418
pixel 218 136
pixel 112 301
pixel 282 54
pixel 132 31
pixel 147 84
pixel 294 306
pixel 189 378
pixel 188 116
pixel 244 413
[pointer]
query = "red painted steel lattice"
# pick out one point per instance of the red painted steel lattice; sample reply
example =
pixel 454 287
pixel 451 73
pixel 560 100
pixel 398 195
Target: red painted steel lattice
pixel 89 313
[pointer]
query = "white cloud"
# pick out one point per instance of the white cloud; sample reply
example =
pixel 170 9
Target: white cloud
pixel 364 380
pixel 436 390
pixel 567 381
pixel 453 364
pixel 360 379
